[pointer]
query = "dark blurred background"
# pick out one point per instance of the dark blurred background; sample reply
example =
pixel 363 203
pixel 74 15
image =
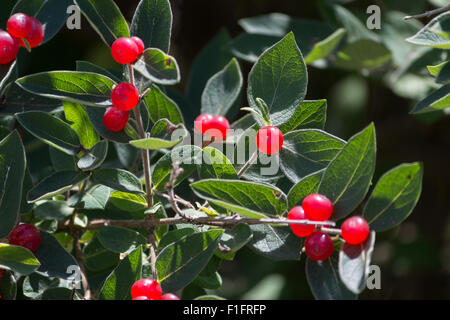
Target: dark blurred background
pixel 415 257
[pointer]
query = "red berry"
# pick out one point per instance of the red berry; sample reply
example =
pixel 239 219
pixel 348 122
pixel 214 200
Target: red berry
pixel 9 47
pixel 125 96
pixel 124 50
pixel 318 246
pixel 146 287
pixel 139 43
pixel 25 235
pixel 142 298
pixel 217 127
pixel 19 25
pixel 202 122
pixel 269 140
pixel 36 35
pixel 317 207
pixel 169 296
pixel 115 119
pixel 300 230
pixel 355 230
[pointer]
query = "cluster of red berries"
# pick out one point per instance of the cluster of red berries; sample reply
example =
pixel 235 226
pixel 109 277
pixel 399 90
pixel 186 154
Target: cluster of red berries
pixel 20 26
pixel 148 289
pixel 269 139
pixel 25 235
pixel 318 245
pixel 125 96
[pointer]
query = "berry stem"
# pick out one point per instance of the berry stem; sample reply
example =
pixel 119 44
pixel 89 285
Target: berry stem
pixel 248 164
pixel 330 230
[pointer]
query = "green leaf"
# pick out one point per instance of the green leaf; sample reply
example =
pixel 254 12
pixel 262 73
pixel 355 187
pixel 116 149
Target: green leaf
pixel 35 284
pixel 7 73
pixel 307 185
pixel 127 201
pixel 62 161
pixel 434 70
pixel 347 178
pixel 51 13
pixel 250 199
pixel 179 263
pixel 211 59
pixel 77 116
pixel 95 198
pixel 53 209
pixel 162 137
pixel 105 17
pixel 86 66
pixel 435 33
pixel 12 172
pixel 277 243
pixel 59 293
pixel 325 47
pixel 26 187
pixel 160 106
pixel 152 22
pixel 324 281
pixel 215 165
pixel 54 259
pixel 233 240
pixel 158 67
pixel 280 79
pixel 51 130
pixel 209 297
pixel 95 157
pixel 437 100
pixel 174 236
pixel 394 197
pixel 363 54
pixel 444 74
pixel 18 259
pixel 55 184
pixel 97 258
pixel 160 213
pixel 187 157
pixel 210 278
pixel 118 284
pixel 16 100
pixel 85 88
pixel 354 263
pixel 8 286
pixel 311 114
pixel 119 240
pixel 222 90
pixel 118 179
pixel 307 151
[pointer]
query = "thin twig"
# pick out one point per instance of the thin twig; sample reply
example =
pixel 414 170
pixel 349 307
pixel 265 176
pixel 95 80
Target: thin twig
pixel 174 174
pixel 428 13
pixel 248 163
pixel 79 257
pixel 178 199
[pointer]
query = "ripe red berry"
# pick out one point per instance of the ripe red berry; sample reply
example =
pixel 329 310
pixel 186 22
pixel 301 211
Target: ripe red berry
pixel 25 235
pixel 139 43
pixel 317 207
pixel 269 140
pixel 19 25
pixel 124 50
pixel 217 127
pixel 169 296
pixel 318 246
pixel 9 47
pixel 202 122
pixel 142 298
pixel 355 230
pixel 115 119
pixel 125 96
pixel 146 287
pixel 300 230
pixel 36 34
